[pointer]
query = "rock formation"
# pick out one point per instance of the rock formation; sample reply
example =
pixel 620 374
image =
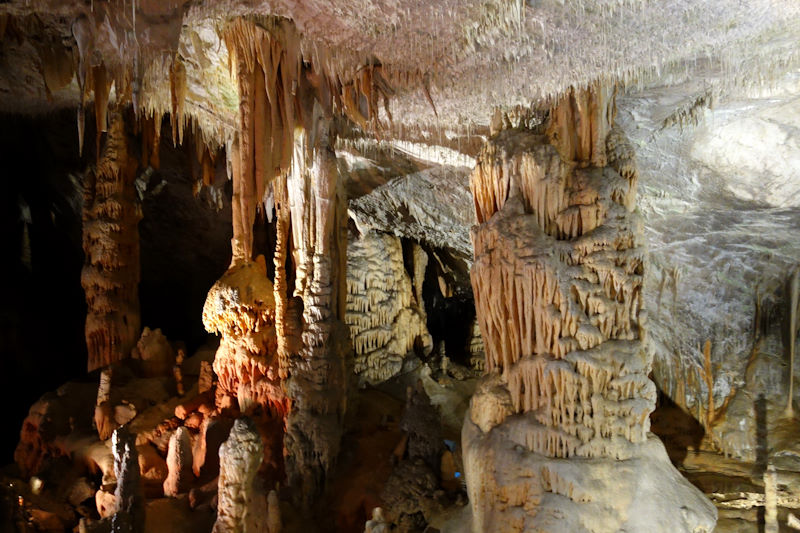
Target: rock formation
pixel 130 504
pixel 179 462
pixel 154 352
pixel 385 313
pixel 559 258
pixel 110 277
pixel 242 506
pixel 557 436
pixel 240 308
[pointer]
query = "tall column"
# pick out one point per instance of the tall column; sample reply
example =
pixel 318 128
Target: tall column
pixel 110 276
pixel 283 344
pixel 317 383
pixel 557 437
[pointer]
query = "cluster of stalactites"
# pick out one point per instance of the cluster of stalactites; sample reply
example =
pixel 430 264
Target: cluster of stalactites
pixel 567 201
pixel 557 296
pixel 383 312
pixel 558 277
pixel 579 122
pixel 281 92
pixel 110 275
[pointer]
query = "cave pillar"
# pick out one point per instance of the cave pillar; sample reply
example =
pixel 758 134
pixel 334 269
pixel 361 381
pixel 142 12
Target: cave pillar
pixel 282 345
pixel 557 435
pixel 110 276
pixel 317 380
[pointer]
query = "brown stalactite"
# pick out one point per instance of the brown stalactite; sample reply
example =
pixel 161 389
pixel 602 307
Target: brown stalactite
pixel 281 285
pixel 102 87
pixel 177 84
pixel 110 276
pixel 580 121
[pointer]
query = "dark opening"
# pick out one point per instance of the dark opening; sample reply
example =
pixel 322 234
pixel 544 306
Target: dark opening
pixel 42 308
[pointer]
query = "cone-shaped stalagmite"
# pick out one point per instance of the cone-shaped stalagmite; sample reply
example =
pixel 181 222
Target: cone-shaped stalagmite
pixel 557 278
pixel 242 506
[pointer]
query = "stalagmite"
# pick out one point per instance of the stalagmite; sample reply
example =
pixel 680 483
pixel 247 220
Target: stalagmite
pixel 242 506
pixel 103 421
pixel 770 500
pixel 557 279
pixel 179 462
pixel 110 276
pixel 177 373
pixel 205 380
pixel 274 523
pixel 130 514
pixel 155 353
pixel 378 523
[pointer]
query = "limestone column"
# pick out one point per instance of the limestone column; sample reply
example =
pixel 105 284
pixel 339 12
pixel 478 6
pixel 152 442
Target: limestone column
pixel 110 276
pixel 282 347
pixel 317 382
pixel 557 437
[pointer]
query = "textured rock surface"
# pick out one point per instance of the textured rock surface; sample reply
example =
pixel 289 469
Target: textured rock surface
pixel 558 277
pixel 111 244
pixel 384 312
pixel 439 53
pixel 242 506
pixel 129 516
pixel 429 207
pixel 179 462
pixel 718 201
pixel 241 308
pixel 155 353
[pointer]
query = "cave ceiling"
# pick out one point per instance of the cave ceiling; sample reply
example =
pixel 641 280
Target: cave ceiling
pixel 708 92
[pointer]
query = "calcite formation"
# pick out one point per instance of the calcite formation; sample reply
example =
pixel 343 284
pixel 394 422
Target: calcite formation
pixel 240 308
pixel 242 506
pixel 312 198
pixel 384 311
pixel 110 276
pixel 284 146
pixel 179 462
pixel 130 504
pixel 559 260
pixel 154 352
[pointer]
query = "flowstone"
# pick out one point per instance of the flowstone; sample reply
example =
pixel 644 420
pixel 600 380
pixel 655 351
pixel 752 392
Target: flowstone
pixel 557 437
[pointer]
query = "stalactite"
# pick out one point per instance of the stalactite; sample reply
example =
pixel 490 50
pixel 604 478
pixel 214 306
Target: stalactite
pixel 281 285
pixel 793 305
pixel 580 122
pixel 177 84
pixel 110 276
pixel 102 87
